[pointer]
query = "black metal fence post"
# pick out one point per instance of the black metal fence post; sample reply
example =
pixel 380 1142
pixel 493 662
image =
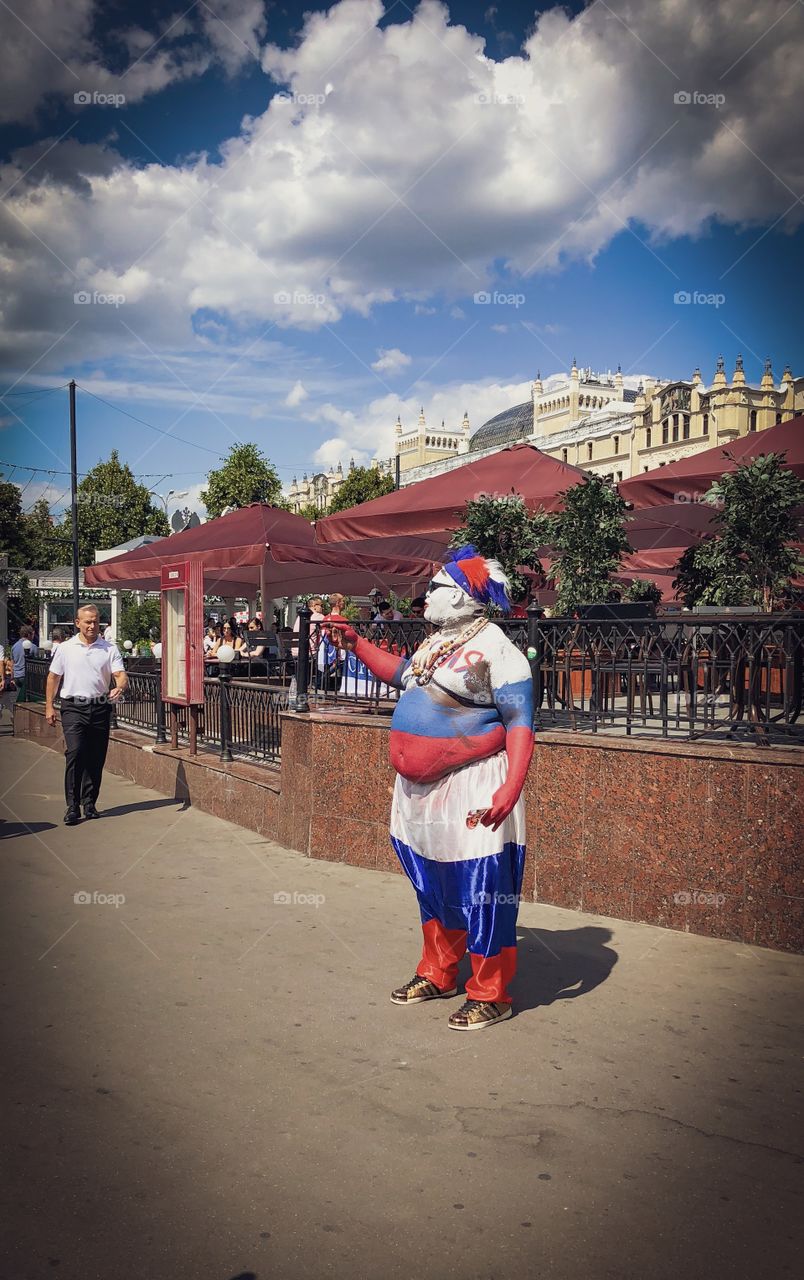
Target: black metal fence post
pixel 161 734
pixel 225 679
pixel 535 655
pixel 303 660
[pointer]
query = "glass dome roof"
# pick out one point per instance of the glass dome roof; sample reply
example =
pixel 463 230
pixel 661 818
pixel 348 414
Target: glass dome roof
pixel 507 427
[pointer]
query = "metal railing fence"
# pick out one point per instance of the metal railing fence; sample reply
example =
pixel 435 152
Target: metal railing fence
pixel 686 676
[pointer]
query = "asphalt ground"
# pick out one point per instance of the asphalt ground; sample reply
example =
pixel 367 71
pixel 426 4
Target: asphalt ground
pixel 204 1078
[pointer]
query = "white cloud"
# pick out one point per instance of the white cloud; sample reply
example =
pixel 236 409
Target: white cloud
pixel 343 200
pixel 369 431
pixel 390 360
pixel 49 51
pixel 296 395
pixel 336 450
pixel 499 328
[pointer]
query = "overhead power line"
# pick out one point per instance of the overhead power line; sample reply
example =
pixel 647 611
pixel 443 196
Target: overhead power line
pixel 45 391
pixel 179 439
pixel 55 471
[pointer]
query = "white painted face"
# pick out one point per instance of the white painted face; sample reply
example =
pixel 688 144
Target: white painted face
pixel 446 602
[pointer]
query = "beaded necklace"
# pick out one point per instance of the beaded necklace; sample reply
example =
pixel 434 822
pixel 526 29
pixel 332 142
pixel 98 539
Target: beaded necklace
pixel 434 654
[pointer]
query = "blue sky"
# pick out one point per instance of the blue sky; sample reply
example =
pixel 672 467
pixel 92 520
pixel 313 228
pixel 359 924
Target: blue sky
pixel 256 225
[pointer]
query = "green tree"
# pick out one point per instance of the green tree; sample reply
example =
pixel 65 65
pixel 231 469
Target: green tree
pixel 12 530
pixel 749 560
pixel 504 528
pixel 112 508
pixel 361 485
pixel 759 521
pixel 245 477
pixel 589 538
pixel 710 573
pixel 46 544
pixel 643 590
pixel 137 620
pixel 23 603
pixel 309 512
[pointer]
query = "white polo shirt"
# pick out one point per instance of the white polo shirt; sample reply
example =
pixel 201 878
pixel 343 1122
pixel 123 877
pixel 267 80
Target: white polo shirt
pixel 87 668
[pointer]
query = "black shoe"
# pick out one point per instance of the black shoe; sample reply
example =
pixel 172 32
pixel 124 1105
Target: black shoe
pixel 90 811
pixel 72 817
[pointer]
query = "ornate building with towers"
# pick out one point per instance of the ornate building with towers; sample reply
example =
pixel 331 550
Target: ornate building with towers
pixel 607 423
pixel 317 490
pixel 613 425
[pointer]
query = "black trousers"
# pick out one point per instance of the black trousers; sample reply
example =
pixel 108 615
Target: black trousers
pixel 86 737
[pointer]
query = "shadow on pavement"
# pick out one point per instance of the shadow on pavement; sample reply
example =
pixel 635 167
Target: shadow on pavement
pixel 560 964
pixel 118 810
pixel 10 829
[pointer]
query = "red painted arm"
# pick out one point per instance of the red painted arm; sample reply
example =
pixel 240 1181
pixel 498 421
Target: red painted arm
pixel 519 749
pixel 387 667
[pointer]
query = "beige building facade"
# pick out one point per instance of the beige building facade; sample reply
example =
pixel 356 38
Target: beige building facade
pixel 613 425
pixel 317 490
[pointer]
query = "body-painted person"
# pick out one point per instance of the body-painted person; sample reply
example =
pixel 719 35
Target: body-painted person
pixel 461 743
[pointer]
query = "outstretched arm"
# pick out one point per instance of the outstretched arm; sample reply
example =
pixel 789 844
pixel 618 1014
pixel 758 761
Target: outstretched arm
pixel 388 667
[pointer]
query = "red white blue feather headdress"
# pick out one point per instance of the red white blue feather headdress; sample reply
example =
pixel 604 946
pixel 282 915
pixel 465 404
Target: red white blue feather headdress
pixel 482 579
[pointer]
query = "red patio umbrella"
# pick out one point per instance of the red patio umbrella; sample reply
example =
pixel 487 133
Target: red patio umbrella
pixel 259 546
pixel 690 478
pixel 435 506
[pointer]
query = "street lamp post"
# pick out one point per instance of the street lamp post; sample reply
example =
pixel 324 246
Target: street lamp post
pixel 172 493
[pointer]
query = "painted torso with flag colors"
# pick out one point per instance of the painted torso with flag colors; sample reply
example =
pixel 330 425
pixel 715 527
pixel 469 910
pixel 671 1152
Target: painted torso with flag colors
pixel 481 691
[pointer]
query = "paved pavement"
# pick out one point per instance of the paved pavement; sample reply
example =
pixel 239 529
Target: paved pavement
pixel 207 1081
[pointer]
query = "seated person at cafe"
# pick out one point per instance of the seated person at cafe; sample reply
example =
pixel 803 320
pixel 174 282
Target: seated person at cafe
pixel 228 635
pixel 387 613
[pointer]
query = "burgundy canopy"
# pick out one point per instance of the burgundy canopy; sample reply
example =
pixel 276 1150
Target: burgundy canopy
pixel 435 506
pixel 260 544
pixel 690 478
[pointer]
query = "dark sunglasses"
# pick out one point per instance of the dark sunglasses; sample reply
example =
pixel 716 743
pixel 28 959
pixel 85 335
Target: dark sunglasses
pixel 433 586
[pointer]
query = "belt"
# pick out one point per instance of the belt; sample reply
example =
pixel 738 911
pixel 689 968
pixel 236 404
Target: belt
pixel 104 697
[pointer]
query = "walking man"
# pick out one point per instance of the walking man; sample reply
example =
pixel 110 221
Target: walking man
pixel 84 666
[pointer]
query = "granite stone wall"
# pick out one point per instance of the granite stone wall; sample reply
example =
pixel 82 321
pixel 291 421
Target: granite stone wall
pixel 698 837
pixel 691 836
